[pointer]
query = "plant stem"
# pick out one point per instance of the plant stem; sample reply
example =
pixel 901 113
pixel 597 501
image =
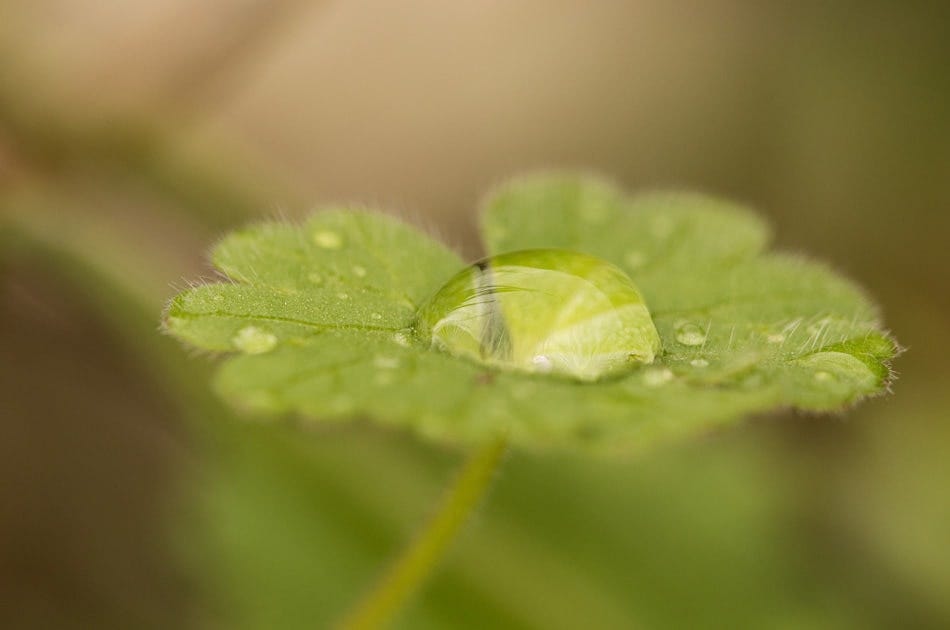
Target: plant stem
pixel 422 556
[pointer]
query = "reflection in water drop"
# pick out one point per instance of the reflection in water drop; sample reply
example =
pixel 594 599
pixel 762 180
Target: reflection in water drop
pixel 543 311
pixel 253 340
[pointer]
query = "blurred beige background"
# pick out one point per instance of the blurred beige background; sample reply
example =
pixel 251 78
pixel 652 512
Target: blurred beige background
pixel 152 127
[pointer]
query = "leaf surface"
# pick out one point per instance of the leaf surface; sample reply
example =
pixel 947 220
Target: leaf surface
pixel 320 316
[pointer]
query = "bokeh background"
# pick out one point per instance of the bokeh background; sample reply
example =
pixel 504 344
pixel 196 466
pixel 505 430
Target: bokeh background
pixel 134 134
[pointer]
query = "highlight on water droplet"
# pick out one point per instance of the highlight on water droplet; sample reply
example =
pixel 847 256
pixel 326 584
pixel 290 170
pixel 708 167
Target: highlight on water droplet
pixel 254 340
pixel 690 334
pixel 327 239
pixel 542 311
pixel 401 339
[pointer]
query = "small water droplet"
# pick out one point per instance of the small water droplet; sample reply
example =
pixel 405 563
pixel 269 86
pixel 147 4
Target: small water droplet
pixel 690 334
pixel 656 377
pixel 343 296
pixel 327 239
pixel 401 339
pixel 359 271
pixel 699 363
pixel 376 316
pixel 253 340
pixel 635 259
pixel 385 363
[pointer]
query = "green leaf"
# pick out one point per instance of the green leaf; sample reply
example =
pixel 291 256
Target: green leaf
pixel 321 315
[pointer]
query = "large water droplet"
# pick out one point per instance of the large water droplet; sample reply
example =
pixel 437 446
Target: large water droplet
pixel 253 340
pixel 543 311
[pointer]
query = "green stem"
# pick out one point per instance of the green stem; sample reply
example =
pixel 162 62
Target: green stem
pixel 420 559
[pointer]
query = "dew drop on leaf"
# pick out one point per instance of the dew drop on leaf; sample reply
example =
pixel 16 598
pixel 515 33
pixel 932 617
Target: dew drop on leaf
pixel 690 334
pixel 542 311
pixel 253 340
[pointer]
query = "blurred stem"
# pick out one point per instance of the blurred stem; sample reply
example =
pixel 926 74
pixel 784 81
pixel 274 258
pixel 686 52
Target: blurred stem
pixel 422 556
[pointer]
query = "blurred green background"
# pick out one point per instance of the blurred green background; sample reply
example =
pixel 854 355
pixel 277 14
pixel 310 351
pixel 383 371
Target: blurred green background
pixel 134 134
